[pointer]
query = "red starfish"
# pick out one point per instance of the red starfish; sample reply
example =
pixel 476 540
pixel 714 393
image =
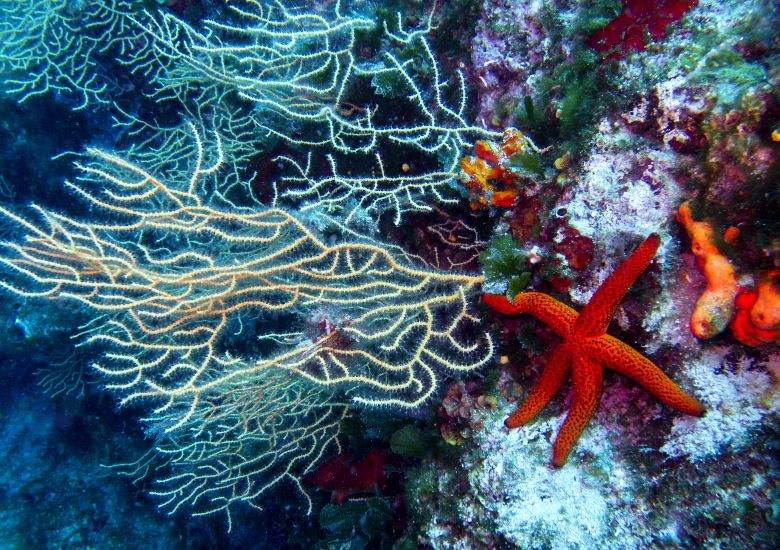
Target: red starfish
pixel 586 350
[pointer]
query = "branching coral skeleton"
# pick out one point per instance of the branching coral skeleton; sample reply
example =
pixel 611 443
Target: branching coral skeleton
pixel 297 69
pixel 180 276
pixel 254 435
pixel 430 127
pixel 52 45
pixel 289 61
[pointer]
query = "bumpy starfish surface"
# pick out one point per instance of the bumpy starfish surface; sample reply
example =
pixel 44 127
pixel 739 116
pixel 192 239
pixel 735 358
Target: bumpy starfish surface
pixel 587 350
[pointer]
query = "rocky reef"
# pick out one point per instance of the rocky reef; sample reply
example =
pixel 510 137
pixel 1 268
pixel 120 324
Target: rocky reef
pixel 511 150
pixel 676 124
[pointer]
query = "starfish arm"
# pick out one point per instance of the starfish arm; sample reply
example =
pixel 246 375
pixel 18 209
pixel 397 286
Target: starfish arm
pixel 544 307
pixel 622 358
pixel 597 314
pixel 554 373
pixel 586 391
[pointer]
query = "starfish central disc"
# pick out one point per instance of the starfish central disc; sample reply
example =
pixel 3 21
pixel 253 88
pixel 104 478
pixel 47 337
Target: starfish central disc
pixel 586 350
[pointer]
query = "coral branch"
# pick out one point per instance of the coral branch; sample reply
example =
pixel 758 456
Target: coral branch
pixel 183 278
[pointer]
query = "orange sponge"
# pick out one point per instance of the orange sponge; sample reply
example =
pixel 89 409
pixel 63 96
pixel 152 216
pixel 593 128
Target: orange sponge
pixel 488 175
pixel 757 321
pixel 715 307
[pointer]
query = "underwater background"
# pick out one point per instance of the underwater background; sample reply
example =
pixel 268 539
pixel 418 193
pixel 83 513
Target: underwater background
pixel 352 274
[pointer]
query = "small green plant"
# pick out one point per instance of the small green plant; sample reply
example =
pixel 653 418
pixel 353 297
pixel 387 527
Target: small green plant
pixel 505 263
